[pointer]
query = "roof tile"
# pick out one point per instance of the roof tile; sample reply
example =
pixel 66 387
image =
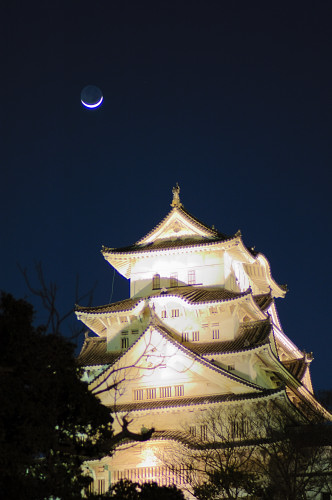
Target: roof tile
pixel 198 400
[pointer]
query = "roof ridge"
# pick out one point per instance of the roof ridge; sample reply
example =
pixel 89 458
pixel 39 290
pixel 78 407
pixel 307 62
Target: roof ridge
pixel 215 234
pixel 246 341
pixel 164 331
pixel 188 296
pixel 134 300
pixel 198 400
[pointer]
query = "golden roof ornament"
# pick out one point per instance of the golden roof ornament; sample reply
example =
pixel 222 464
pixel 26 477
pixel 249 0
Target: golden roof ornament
pixel 176 196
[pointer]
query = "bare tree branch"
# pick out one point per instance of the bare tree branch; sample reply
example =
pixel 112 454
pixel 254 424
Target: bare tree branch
pixel 47 293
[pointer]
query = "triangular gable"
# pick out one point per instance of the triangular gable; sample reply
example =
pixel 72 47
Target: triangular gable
pixel 178 224
pixel 156 360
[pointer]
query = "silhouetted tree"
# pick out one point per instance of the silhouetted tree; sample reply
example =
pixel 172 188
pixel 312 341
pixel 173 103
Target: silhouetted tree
pixel 127 490
pixel 49 420
pixel 294 458
pixel 212 460
pixel 47 294
pixel 267 449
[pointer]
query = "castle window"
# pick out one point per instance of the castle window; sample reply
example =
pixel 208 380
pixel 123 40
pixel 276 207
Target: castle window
pixel 215 333
pixel 240 428
pixel 175 313
pixel 185 337
pixel 213 310
pixel 124 342
pixel 123 319
pixel 231 367
pixel 101 486
pixel 195 336
pixel 164 313
pixel 203 432
pixel 192 430
pixel 156 282
pixel 165 392
pixel 174 280
pixel 179 390
pixel 151 393
pixel 138 395
pixel 191 277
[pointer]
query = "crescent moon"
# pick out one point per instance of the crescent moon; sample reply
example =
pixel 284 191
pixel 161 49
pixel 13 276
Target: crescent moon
pixel 93 105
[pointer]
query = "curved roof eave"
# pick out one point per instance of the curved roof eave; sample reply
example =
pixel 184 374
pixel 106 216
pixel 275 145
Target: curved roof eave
pixel 164 332
pixel 281 289
pixel 296 386
pixel 131 251
pixel 158 405
pixel 114 309
pixel 252 258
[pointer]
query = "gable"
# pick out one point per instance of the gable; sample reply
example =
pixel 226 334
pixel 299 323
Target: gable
pixel 158 367
pixel 178 224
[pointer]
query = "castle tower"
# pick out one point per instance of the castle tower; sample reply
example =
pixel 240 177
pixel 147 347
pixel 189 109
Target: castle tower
pixel 199 330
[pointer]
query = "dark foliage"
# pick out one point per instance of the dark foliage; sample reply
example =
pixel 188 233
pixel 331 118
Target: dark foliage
pixel 127 490
pixel 229 480
pixel 49 421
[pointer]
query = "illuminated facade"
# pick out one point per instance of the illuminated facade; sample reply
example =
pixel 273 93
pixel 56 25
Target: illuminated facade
pixel 199 330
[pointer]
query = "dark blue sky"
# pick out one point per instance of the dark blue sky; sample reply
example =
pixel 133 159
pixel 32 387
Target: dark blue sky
pixel 230 99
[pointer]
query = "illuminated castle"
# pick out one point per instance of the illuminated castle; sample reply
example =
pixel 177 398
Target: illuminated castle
pixel 200 329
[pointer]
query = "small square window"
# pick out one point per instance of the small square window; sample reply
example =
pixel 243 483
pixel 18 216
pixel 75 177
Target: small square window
pixel 101 486
pixel 165 392
pixel 215 333
pixel 185 336
pixel 192 430
pixel 151 393
pixel 203 432
pixel 195 336
pixel 179 390
pixel 124 342
pixel 138 395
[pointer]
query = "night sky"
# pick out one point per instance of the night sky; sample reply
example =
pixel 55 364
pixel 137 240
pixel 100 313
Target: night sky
pixel 232 99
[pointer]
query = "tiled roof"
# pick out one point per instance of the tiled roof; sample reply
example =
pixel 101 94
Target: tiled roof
pixel 250 336
pixel 192 294
pixel 196 294
pixel 193 220
pixel 172 435
pixel 296 367
pixel 170 337
pixel 193 401
pixel 263 301
pixel 94 353
pixel 122 305
pixel 165 244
